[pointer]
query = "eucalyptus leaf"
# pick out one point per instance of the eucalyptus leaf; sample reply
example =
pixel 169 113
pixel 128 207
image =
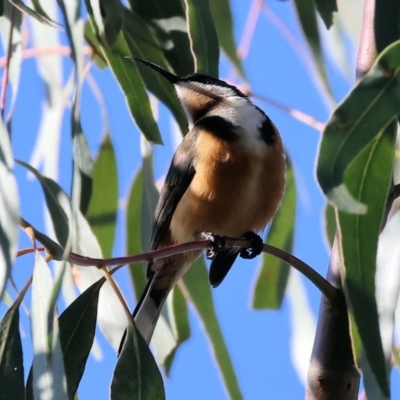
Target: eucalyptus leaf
pixel 370 106
pixel 196 285
pixel 102 212
pixel 273 275
pixel 136 375
pixel 368 176
pixel 203 37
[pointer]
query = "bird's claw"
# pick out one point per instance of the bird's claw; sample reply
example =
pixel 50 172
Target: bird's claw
pixel 256 246
pixel 217 244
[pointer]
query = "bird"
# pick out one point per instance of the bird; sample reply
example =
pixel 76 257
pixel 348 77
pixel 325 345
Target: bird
pixel 226 177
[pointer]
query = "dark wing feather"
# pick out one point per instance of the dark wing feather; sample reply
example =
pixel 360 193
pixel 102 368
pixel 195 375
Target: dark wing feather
pixel 221 265
pixel 178 179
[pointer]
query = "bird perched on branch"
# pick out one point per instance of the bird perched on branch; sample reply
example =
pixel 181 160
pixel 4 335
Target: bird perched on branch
pixel 226 177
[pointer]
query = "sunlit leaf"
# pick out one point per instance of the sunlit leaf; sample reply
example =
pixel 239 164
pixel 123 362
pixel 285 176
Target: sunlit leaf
pixel 77 328
pixel 133 234
pixel 136 375
pixel 9 209
pixel 368 177
pixel 82 181
pixel 369 107
pixel 222 16
pixel 203 37
pixel 102 212
pixel 273 275
pixel 48 375
pixel 10 24
pixel 196 285
pixel 108 15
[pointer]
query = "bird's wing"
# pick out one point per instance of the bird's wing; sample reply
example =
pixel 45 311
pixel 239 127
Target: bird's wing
pixel 180 174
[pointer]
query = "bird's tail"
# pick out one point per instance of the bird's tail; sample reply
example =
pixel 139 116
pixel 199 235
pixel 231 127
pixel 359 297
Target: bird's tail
pixel 148 309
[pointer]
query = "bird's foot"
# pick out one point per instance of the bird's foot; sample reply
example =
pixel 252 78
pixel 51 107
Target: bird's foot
pixel 256 246
pixel 217 244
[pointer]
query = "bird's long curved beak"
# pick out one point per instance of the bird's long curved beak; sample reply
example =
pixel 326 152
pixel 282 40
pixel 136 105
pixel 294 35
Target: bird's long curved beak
pixel 174 79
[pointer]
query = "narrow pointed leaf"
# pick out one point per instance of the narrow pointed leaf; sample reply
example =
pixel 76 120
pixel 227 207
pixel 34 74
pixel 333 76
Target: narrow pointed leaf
pixel 330 224
pixel 371 105
pixel 34 13
pixel 167 21
pixel 196 284
pixel 82 181
pixel 102 212
pixel 273 275
pixel 133 234
pixel 306 14
pixel 143 44
pixel 11 362
pixel 128 77
pixel 203 37
pixel 222 15
pixel 108 15
pixel 368 177
pixel 9 209
pixel 48 375
pixel 10 24
pixel 77 328
pixel 136 375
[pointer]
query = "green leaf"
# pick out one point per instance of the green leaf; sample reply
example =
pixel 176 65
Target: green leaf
pixel 305 10
pixel 272 278
pixel 221 13
pixel 330 224
pixel 136 375
pixel 11 362
pixel 133 234
pixel 167 21
pixel 203 37
pixel 91 39
pixel 54 196
pixel 196 285
pixel 326 8
pixel 9 209
pixel 371 105
pixel 143 44
pixel 369 177
pixel 102 212
pixel 108 15
pixel 36 13
pixel 128 77
pixel 180 324
pixel 77 329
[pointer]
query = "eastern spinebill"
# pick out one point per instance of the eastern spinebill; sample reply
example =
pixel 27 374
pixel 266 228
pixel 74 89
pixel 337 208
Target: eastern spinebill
pixel 227 177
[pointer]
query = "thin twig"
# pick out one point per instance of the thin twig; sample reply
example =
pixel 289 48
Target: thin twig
pixel 28 250
pixel 110 280
pixel 299 115
pixel 47 51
